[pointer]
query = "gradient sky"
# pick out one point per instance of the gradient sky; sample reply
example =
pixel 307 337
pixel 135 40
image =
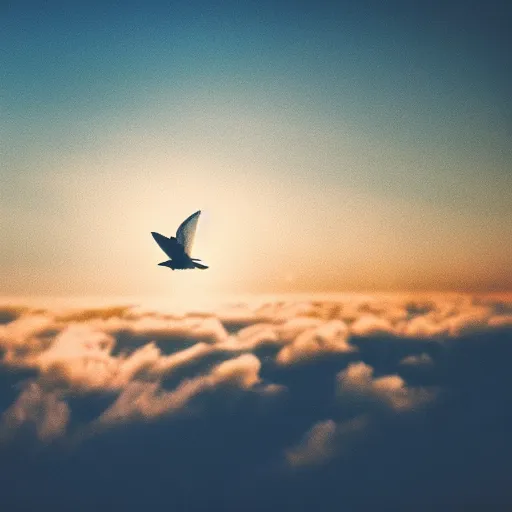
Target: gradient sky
pixel 357 147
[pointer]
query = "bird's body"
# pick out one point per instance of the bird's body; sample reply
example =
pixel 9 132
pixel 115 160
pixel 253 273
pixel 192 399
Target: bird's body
pixel 178 248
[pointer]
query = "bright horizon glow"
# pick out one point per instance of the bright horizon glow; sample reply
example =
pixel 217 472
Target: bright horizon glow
pixel 210 303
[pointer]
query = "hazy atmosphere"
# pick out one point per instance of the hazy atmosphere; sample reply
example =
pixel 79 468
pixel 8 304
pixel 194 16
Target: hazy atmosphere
pixel 332 146
pixel 344 344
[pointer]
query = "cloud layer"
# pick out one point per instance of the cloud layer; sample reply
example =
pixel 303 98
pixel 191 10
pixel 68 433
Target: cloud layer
pixel 258 402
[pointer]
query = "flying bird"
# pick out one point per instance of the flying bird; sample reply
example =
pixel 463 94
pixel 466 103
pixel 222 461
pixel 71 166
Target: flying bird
pixel 178 248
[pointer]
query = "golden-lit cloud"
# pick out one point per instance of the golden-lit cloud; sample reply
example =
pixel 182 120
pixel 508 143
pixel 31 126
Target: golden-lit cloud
pixel 265 392
pixel 368 324
pixel 358 381
pixel 140 399
pixel 130 350
pixel 330 337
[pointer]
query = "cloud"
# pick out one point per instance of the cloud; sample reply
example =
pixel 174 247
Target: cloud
pixel 329 337
pixel 79 356
pixel 501 321
pixel 316 446
pixel 426 326
pixel 140 400
pixel 75 314
pixel 367 325
pixel 325 441
pixel 43 410
pixel 280 311
pixel 449 319
pixel 356 384
pixel 144 400
pixel 241 371
pixel 357 381
pixel 163 365
pixel 292 328
pixel 238 316
pixel 197 327
pixel 9 312
pixel 91 347
pixel 251 337
pixel 395 390
pixel 22 332
pixel 417 360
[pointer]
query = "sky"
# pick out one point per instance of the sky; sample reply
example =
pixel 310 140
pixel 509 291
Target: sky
pixel 330 147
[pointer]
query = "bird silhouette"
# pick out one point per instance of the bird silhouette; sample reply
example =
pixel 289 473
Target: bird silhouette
pixel 178 248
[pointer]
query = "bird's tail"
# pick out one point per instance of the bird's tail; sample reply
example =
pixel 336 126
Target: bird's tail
pixel 201 265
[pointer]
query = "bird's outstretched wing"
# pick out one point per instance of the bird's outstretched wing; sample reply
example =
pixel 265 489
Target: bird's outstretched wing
pixel 187 230
pixel 168 245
